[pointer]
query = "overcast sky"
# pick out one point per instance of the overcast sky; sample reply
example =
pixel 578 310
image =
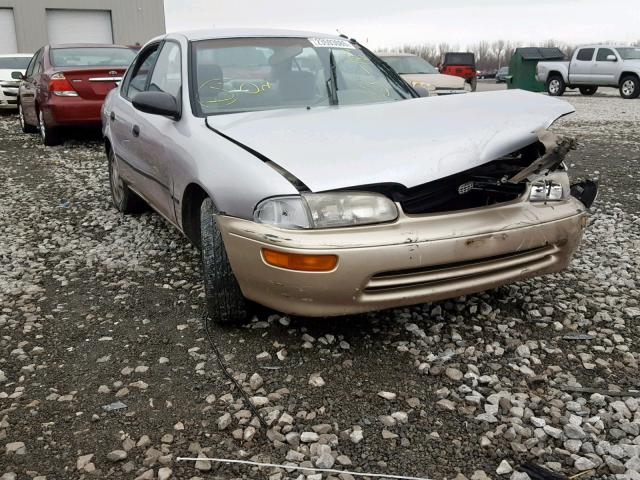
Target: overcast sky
pixel 394 22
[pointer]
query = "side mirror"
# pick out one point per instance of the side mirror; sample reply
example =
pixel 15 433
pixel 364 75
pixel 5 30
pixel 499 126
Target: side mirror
pixel 612 58
pixel 422 91
pixel 157 103
pixel 17 75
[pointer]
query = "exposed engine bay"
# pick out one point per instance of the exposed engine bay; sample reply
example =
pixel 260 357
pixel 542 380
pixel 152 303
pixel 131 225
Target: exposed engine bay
pixel 498 181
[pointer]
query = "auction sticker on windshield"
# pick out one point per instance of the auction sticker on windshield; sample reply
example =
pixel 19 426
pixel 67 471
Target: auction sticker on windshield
pixel 331 43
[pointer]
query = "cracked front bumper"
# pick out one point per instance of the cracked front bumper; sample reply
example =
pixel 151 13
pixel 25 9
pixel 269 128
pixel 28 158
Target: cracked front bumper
pixel 413 260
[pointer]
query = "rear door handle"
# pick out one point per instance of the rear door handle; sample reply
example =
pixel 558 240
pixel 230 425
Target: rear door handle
pixel 136 131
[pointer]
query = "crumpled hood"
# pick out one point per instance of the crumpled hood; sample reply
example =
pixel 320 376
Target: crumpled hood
pixel 438 80
pixel 409 142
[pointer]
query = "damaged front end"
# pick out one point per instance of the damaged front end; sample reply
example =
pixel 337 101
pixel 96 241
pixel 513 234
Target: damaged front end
pixel 537 170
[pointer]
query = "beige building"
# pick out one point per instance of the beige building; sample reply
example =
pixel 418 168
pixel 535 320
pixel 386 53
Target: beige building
pixel 26 25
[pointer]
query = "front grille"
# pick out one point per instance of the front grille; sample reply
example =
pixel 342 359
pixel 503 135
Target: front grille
pixel 443 274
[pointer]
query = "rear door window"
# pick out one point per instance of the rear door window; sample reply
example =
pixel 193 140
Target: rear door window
pixel 37 67
pixel 32 64
pixel 585 54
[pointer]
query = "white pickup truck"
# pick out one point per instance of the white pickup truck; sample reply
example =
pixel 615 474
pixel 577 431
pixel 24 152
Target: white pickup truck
pixel 593 66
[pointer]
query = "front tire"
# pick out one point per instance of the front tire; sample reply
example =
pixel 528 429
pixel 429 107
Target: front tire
pixel 556 86
pixel 125 200
pixel 474 84
pixel 588 91
pixel 50 136
pixel 629 87
pixel 225 302
pixel 26 128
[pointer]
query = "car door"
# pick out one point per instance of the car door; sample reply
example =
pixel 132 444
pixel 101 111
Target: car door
pixel 122 117
pixel 28 90
pixel 156 149
pixel 581 66
pixel 604 71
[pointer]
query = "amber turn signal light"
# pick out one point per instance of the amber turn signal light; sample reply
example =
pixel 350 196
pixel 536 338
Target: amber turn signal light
pixel 304 263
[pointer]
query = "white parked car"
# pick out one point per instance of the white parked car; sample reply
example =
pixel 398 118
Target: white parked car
pixel 14 62
pixel 420 73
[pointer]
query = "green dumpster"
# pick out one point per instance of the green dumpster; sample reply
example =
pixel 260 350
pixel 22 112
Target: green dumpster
pixel 522 68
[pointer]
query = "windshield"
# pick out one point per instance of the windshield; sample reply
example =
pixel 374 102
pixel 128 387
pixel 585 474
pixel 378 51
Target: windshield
pixel 503 70
pixel 92 57
pixel 14 63
pixel 407 64
pixel 248 74
pixel 629 53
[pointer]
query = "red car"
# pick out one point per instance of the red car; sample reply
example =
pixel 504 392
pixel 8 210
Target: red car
pixel 65 86
pixel 461 64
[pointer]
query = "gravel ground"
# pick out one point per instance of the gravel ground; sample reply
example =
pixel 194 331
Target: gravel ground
pixel 99 308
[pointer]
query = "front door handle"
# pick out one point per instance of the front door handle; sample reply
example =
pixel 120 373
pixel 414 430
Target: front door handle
pixel 136 131
pixel 112 116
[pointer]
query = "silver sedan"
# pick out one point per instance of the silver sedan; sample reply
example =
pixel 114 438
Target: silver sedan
pixel 316 181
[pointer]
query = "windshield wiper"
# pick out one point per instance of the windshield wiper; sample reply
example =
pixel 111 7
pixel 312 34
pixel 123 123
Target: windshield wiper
pixel 332 82
pixel 397 82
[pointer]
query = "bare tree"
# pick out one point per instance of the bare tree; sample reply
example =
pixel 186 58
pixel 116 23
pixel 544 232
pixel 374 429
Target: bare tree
pixel 489 55
pixel 498 48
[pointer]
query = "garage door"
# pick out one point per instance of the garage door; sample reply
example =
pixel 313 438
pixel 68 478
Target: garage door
pixel 79 26
pixel 8 42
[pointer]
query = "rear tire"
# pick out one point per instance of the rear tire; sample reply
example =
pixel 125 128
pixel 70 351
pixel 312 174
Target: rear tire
pixel 588 90
pixel 556 86
pixel 225 302
pixel 125 200
pixel 50 136
pixel 26 128
pixel 629 87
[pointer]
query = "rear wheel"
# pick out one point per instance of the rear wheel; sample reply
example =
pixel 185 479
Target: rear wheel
pixel 26 128
pixel 123 198
pixel 588 90
pixel 225 302
pixel 556 86
pixel 50 136
pixel 629 87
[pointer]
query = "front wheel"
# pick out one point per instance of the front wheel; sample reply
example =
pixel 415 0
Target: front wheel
pixel 588 90
pixel 49 135
pixel 556 86
pixel 26 128
pixel 225 302
pixel 474 84
pixel 629 87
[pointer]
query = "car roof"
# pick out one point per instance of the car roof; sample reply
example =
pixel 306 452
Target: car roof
pixel 214 33
pixel 13 55
pixel 396 54
pixel 604 45
pixel 86 45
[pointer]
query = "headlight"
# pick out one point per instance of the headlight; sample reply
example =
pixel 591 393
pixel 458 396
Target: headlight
pixel 419 83
pixel 326 210
pixel 552 187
